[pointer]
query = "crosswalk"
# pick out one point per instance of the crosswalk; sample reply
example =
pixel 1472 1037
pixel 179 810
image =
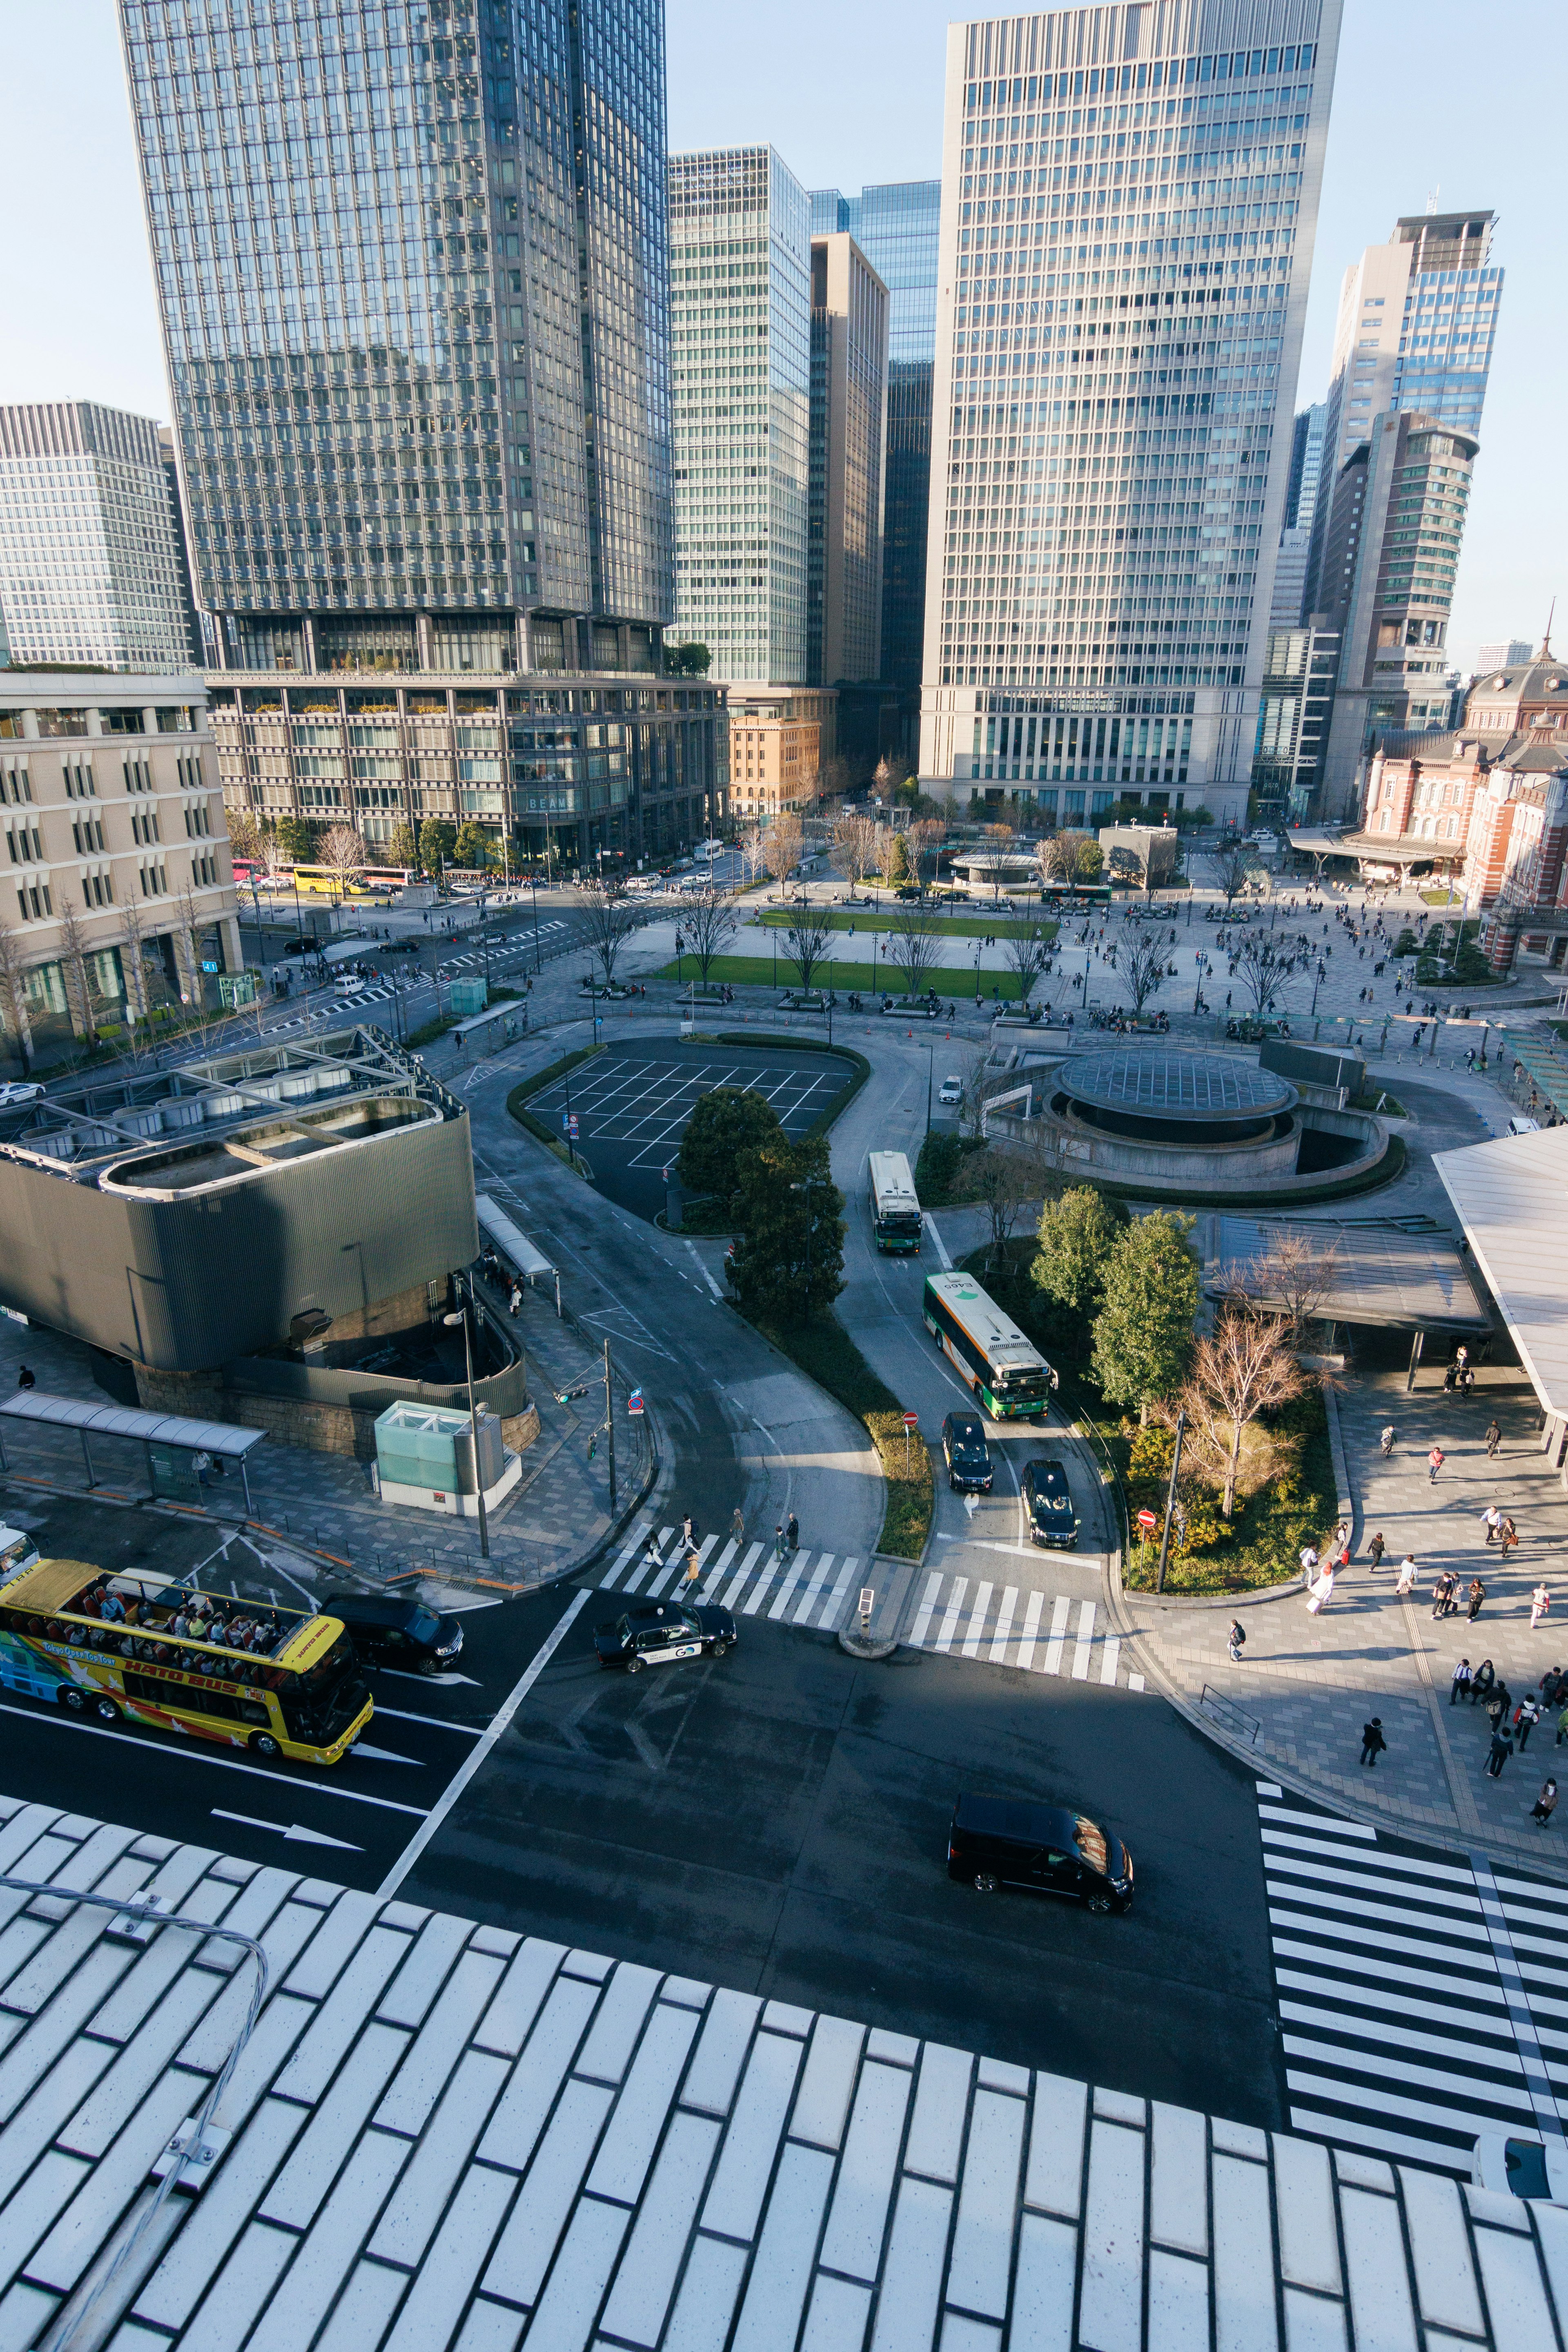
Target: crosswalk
pixel 968 1617
pixel 750 1579
pixel 1423 2000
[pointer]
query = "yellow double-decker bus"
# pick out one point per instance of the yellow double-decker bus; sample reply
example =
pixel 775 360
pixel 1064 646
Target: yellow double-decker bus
pixel 279 1682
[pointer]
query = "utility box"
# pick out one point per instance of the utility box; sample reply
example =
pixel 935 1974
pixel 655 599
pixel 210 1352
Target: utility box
pixel 425 1457
pixel 469 996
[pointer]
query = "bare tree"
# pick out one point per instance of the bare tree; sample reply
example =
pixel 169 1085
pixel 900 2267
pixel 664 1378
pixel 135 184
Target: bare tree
pixel 1230 869
pixel 1028 950
pixel 1244 1366
pixel 610 922
pixel 916 946
pixel 1292 1277
pixel 134 965
pixel 1059 857
pixel 244 835
pixel 807 938
pixel 782 844
pixel 14 994
pixel 1141 971
pixel 344 850
pixel 1263 967
pixel 73 958
pixel 1004 1182
pixel 707 921
pixel 854 851
pixel 924 836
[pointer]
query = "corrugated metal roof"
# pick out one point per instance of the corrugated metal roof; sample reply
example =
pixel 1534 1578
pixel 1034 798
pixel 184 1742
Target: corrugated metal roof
pixel 122 1420
pixel 1509 1196
pixel 1375 1274
pixel 500 1228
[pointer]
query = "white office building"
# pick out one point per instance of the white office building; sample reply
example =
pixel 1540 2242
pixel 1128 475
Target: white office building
pixel 92 562
pixel 1127 224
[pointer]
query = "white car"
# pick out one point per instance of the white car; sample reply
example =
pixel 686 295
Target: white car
pixel 17 1091
pixel 951 1090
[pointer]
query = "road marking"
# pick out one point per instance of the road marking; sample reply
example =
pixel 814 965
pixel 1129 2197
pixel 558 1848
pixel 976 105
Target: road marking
pixel 635 1578
pixel 1110 1650
pixel 938 1243
pixel 971 1645
pixel 1031 1629
pixel 813 1591
pixel 703 1271
pixel 437 1682
pixel 1085 1637
pixel 193 1754
pixel 471 1762
pixel 386 1754
pixel 831 1607
pixel 1005 1626
pixel 737 1580
pixel 922 1622
pixel 797 1566
pixel 949 1620
pixel 970 1506
pixel 1058 1633
pixel 437 1722
pixel 711 1582
pixel 293 1834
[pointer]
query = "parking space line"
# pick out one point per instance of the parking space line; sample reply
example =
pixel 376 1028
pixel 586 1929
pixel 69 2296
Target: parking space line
pixel 185 1755
pixel 1059 1609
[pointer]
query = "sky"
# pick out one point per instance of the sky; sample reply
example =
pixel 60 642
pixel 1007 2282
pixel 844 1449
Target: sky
pixel 1442 100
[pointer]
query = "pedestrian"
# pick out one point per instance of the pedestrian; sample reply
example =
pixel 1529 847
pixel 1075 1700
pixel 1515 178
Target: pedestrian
pixel 1372 1742
pixel 1498 1707
pixel 1406 1584
pixel 793 1531
pixel 1236 1640
pixel 1443 1594
pixel 738 1524
pixel 1322 1592
pixel 779 1542
pixel 1374 1550
pixel 1540 1602
pixel 1494 1437
pixel 1459 1682
pixel 1501 1751
pixel 1433 1464
pixel 687 1532
pixel 1526 1716
pixel 1476 1595
pixel 24 1378
pixel 1309 1563
pixel 1491 1519
pixel 201 1463
pixel 1508 1535
pixel 515 1301
pixel 1561 1727
pixel 1551 1687
pixel 1482 1680
pixel 1545 1804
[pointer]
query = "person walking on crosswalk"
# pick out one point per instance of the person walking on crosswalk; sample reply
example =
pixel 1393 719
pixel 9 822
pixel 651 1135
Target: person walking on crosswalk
pixel 1372 1742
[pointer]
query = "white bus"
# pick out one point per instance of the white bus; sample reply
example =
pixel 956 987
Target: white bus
pixel 1009 1375
pixel 895 1206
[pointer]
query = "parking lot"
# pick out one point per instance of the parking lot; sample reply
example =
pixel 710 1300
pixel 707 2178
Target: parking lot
pixel 632 1105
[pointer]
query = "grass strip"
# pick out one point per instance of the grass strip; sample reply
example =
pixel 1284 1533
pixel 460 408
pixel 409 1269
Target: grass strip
pixel 823 1350
pixel 879 920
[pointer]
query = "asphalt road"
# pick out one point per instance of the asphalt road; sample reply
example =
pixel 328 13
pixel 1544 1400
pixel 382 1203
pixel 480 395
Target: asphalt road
pixel 777 1821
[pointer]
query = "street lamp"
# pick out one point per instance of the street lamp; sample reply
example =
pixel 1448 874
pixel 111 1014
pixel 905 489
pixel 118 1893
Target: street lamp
pixel 462 1316
pixel 533 886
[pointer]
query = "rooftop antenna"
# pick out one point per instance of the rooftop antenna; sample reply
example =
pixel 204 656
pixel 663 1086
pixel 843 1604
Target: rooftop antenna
pixel 1432 199
pixel 1546 640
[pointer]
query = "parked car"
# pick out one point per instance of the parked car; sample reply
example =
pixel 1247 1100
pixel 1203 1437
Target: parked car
pixel 1524 1125
pixel 969 1469
pixel 951 1090
pixel 659 1631
pixel 1047 1501
pixel 17 1091
pixel 391 1632
pixel 996 1842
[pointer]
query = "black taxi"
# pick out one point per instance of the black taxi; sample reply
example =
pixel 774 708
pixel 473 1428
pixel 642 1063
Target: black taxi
pixel 659 1631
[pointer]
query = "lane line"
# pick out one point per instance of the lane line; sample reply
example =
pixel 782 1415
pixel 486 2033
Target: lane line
pixel 498 1723
pixel 64 1722
pixel 1031 1629
pixel 938 1243
pixel 401 1715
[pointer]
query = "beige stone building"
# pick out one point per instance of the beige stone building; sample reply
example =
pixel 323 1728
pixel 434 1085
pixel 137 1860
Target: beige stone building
pixel 780 739
pixel 118 895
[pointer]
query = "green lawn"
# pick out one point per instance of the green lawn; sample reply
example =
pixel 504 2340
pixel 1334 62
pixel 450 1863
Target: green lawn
pixel 864 919
pixel 757 972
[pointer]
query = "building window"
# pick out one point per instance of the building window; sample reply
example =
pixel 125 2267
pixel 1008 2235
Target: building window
pixel 33 898
pixel 154 883
pixel 138 775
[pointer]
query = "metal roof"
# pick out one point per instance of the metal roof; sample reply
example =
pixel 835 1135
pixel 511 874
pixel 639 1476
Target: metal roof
pixel 500 1228
pixel 1374 1274
pixel 1544 1066
pixel 1204 1087
pixel 1509 1198
pixel 122 1420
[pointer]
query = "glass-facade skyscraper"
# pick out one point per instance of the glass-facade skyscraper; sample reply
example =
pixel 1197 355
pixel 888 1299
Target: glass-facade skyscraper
pixel 1128 203
pixel 895 225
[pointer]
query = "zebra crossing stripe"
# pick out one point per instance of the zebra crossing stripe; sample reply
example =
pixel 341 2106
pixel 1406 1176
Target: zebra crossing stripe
pixel 676 1561
pixel 796 1569
pixel 949 1620
pixel 1082 1646
pixel 977 1615
pixel 835 1601
pixel 1110 1650
pixel 928 1604
pixel 737 1580
pixel 1031 1629
pixel 711 1582
pixel 1060 1610
pixel 628 1552
pixel 1003 1633
pixel 644 1566
pixel 813 1592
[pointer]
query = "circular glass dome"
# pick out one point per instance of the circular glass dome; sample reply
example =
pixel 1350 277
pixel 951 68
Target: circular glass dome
pixel 1178 1098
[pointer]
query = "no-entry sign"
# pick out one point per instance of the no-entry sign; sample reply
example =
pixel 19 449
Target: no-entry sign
pixel 1147 1521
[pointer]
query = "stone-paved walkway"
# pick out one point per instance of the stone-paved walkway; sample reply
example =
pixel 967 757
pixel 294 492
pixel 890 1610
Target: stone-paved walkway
pixel 1309 1682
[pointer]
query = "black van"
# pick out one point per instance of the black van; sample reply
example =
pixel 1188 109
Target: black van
pixel 396 1633
pixel 1009 1842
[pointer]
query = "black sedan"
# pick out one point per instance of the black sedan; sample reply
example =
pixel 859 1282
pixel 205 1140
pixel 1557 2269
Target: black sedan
pixel 658 1632
pixel 389 1632
pixel 967 1455
pixel 1047 1501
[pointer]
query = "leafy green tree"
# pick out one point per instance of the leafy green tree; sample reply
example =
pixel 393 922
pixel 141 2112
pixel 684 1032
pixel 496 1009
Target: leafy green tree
pixel 1077 1236
pixel 296 840
pixel 1090 863
pixel 438 844
pixel 471 850
pixel 403 849
pixel 898 867
pixel 690 660
pixel 1143 1331
pixel 722 1126
pixel 789 1253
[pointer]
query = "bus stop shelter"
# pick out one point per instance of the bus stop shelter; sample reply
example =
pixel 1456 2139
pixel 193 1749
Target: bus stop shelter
pixel 510 1239
pixel 495 1027
pixel 160 1434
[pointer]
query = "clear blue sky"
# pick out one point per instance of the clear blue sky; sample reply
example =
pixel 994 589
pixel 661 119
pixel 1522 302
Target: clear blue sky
pixel 1468 105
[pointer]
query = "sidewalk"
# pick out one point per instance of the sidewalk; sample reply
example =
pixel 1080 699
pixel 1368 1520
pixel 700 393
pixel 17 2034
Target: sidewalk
pixel 1309 1682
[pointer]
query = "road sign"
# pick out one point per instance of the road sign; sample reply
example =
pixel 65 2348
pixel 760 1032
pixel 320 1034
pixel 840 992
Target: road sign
pixel 635 1402
pixel 208 967
pixel 569 1124
pixel 912 1421
pixel 1147 1521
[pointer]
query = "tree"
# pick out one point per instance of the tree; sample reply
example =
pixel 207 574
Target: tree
pixel 609 921
pixel 897 870
pixel 245 838
pixel 1088 861
pixel 789 1252
pixel 1230 869
pixel 707 921
pixel 296 840
pixel 782 844
pixel 1143 1331
pixel 916 947
pixel 438 840
pixel 724 1124
pixel 690 660
pixel 854 851
pixel 808 934
pixel 1291 1277
pixel 1002 1182
pixel 471 850
pixel 1059 856
pixel 73 963
pixel 1028 950
pixel 403 849
pixel 1244 1366
pixel 343 851
pixel 924 836
pixel 14 994
pixel 1076 1235
pixel 1263 967
pixel 1141 971
pixel 134 965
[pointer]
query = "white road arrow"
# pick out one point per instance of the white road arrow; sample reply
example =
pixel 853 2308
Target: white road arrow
pixel 401 1675
pixel 291 1833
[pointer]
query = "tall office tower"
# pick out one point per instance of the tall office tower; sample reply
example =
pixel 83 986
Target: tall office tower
pixel 170 456
pixel 415 293
pixel 848 439
pixel 1507 655
pixel 1300 499
pixel 91 555
pixel 896 227
pixel 1127 226
pixel 1416 321
pixel 739 249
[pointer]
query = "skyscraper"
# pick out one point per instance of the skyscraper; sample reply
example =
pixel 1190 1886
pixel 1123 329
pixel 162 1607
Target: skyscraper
pixel 414 284
pixel 896 227
pixel 1301 501
pixel 848 427
pixel 92 566
pixel 1506 655
pixel 1127 226
pixel 741 326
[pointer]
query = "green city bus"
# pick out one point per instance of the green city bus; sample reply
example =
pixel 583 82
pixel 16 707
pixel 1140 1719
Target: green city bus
pixel 1009 1376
